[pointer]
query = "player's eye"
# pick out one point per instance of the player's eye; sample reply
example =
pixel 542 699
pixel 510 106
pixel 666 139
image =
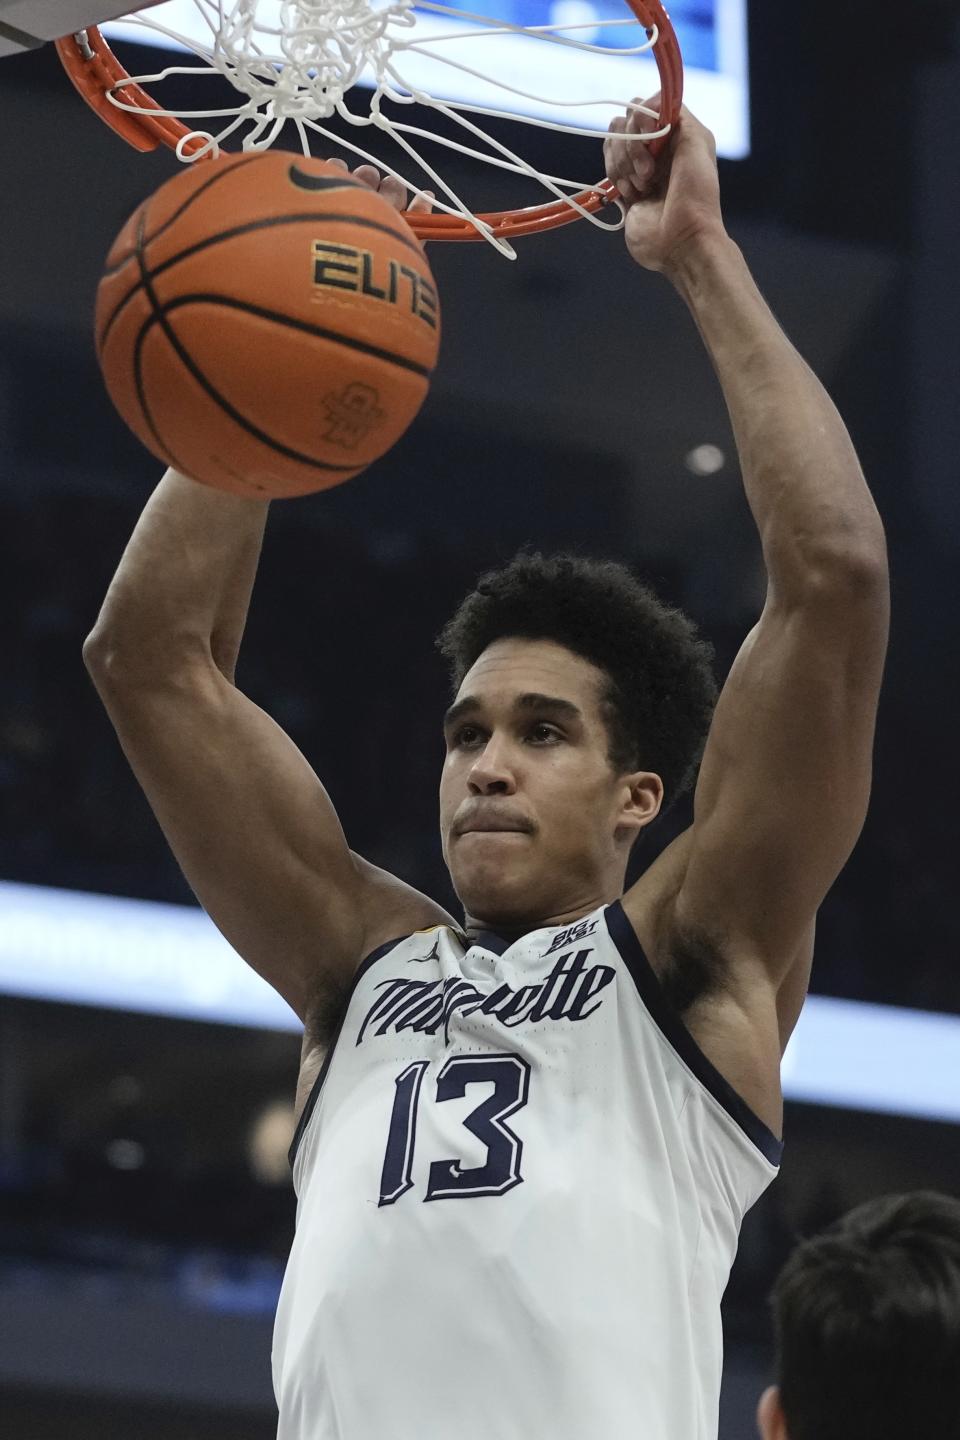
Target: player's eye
pixel 544 733
pixel 465 736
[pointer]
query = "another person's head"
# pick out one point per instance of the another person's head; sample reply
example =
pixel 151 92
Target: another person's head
pixel 867 1327
pixel 582 704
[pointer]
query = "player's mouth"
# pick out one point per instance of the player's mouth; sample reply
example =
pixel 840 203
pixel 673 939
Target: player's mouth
pixel 492 824
pixel 492 830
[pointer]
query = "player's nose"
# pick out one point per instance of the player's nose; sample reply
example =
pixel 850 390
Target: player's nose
pixel 491 772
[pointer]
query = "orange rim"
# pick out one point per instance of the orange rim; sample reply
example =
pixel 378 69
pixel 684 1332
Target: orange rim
pixel 94 69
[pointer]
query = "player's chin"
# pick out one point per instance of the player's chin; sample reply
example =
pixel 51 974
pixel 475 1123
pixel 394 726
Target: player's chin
pixel 490 875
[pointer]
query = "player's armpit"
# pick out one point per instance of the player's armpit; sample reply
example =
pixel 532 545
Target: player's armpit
pixel 785 779
pixel 250 824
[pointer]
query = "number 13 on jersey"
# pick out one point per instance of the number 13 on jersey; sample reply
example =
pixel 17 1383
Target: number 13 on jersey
pixel 510 1077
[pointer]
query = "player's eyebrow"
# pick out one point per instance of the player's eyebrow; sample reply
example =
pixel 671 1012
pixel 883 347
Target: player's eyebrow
pixel 555 704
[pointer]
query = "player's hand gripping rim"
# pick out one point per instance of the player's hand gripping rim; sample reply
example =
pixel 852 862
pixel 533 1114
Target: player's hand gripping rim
pixel 669 201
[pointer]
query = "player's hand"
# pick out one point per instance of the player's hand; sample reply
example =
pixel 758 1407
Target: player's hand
pixel 389 187
pixel 671 201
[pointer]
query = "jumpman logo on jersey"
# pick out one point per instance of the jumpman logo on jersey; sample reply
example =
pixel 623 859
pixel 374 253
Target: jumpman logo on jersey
pixel 422 959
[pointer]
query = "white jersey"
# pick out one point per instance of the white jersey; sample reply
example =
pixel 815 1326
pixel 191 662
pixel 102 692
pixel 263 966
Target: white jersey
pixel 520 1185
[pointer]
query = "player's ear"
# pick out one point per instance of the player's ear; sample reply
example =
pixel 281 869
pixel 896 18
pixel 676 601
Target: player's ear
pixel 770 1418
pixel 642 797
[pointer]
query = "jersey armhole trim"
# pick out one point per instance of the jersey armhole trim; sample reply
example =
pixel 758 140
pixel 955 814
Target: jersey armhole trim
pixel 317 1086
pixel 673 1029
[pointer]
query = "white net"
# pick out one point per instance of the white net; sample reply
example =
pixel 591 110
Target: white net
pixel 296 63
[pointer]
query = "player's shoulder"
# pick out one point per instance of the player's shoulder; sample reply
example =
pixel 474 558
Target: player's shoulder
pixel 393 912
pixel 393 909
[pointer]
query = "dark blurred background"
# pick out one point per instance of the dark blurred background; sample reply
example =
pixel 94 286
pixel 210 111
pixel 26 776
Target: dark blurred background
pixel 144 1216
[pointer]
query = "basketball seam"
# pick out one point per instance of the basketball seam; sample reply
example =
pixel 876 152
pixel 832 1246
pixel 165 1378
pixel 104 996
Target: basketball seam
pixel 141 396
pixel 319 331
pixel 137 368
pixel 159 317
pixel 244 230
pixel 200 190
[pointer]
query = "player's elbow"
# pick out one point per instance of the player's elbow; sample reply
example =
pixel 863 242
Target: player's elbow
pixel 845 570
pixel 96 651
pixel 120 664
pixel 853 574
pixel 105 658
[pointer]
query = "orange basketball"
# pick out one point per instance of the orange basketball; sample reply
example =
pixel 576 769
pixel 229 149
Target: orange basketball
pixel 267 325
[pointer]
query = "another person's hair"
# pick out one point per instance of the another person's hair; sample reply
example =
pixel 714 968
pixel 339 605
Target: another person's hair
pixel 867 1324
pixel 659 693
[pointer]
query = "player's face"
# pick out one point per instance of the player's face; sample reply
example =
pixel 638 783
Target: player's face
pixel 535 824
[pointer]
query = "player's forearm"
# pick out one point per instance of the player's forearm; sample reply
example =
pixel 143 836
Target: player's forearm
pixel 800 471
pixel 184 583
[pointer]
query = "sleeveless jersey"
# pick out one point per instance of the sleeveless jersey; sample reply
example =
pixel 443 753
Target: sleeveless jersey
pixel 519 1190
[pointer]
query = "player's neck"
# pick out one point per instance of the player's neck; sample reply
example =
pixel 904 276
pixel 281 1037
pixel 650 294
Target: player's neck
pixel 515 927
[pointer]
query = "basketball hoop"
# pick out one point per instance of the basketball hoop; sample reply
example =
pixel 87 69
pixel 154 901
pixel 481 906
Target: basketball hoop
pixel 295 61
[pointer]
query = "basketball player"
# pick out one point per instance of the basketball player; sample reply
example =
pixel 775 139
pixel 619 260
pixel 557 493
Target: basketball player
pixel 867 1324
pixel 527 1136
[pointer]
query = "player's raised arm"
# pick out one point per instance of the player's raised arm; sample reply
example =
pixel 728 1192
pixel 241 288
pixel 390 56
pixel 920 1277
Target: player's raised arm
pixel 785 778
pixel 251 825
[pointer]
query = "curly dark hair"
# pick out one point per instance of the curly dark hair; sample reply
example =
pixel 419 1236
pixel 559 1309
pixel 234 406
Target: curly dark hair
pixel 660 690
